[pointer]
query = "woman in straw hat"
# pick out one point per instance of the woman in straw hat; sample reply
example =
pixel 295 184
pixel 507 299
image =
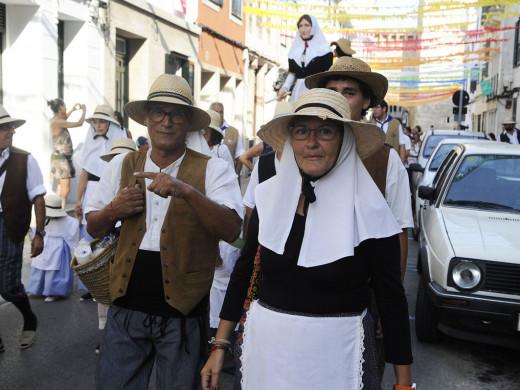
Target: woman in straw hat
pixel 51 274
pixel 310 53
pixel 62 167
pixel 342 48
pixel 214 135
pixel 325 231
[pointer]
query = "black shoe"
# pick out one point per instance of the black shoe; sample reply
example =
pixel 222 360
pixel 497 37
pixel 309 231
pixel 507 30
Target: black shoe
pixel 86 297
pixel 97 349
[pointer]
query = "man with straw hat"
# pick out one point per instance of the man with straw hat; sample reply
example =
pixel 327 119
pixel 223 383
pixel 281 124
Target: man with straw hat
pixel 175 204
pixel 510 134
pixel 364 89
pixel 21 186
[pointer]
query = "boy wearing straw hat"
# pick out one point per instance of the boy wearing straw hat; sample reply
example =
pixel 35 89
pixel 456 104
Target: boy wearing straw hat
pixel 21 186
pixel 174 204
pixel 365 89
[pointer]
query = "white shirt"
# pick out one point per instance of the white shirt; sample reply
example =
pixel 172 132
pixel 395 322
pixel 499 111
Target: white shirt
pixel 512 138
pixel 240 146
pixel 221 187
pixel 397 191
pixel 223 152
pixel 34 181
pixel 384 126
pixel 249 196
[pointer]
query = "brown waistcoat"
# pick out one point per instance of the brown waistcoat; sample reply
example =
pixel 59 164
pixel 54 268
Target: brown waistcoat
pixel 188 250
pixel 377 165
pixel 392 134
pixel 231 139
pixel 16 205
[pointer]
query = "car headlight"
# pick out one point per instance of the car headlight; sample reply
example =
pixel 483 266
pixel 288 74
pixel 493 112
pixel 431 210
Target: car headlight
pixel 466 275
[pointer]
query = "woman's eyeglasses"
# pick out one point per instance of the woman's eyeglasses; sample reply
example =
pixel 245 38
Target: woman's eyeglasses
pixel 323 133
pixel 176 116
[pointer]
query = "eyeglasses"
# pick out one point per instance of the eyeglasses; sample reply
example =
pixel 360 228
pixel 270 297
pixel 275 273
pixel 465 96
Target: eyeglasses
pixel 323 133
pixel 7 126
pixel 176 116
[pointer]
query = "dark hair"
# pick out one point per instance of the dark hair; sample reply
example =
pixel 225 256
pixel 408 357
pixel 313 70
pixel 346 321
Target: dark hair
pixel 340 53
pixel 119 118
pixel 492 136
pixel 365 88
pixel 384 104
pixel 55 104
pixel 418 128
pixel 215 138
pixel 306 17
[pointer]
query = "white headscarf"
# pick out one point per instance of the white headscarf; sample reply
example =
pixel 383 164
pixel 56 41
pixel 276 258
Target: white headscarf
pixel 318 45
pixel 93 148
pixel 198 143
pixel 349 208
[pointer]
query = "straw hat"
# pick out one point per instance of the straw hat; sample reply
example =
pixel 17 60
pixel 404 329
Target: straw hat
pixel 509 121
pixel 216 119
pixel 53 206
pixel 6 118
pixel 169 88
pixel 282 108
pixel 325 104
pixel 120 145
pixel 105 112
pixel 358 70
pixel 344 45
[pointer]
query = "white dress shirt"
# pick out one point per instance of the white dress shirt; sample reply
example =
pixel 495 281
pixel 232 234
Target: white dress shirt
pixel 34 181
pixel 221 187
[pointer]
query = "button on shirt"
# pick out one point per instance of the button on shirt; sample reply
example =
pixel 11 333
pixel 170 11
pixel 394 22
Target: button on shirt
pixel 34 181
pixel 221 187
pixel 384 126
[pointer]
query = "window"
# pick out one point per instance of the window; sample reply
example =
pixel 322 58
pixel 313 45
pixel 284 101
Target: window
pixel 516 48
pixel 218 2
pixel 61 36
pixel 180 65
pixel 236 9
pixel 121 74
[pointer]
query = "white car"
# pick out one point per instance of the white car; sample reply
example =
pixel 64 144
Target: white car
pixel 429 171
pixel 470 247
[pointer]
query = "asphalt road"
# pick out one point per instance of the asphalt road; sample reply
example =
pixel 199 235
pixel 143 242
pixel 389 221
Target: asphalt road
pixel 63 356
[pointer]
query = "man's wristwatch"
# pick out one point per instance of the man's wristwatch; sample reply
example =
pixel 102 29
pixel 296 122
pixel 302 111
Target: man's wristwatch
pixel 41 233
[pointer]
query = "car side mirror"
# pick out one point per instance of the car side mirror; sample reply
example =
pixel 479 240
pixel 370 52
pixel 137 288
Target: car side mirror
pixel 427 193
pixel 416 167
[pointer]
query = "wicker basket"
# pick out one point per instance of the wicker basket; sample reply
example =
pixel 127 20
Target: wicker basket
pixel 95 273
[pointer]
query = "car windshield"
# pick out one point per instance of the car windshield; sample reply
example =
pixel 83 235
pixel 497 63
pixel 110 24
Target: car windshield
pixel 433 141
pixel 490 182
pixel 438 158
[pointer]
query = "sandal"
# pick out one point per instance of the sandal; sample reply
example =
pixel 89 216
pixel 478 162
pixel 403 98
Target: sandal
pixel 27 338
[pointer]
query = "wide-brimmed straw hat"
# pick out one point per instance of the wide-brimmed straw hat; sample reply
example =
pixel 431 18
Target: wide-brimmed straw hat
pixel 120 145
pixel 283 108
pixel 168 88
pixel 6 118
pixel 53 206
pixel 216 119
pixel 324 104
pixel 103 111
pixel 355 69
pixel 344 45
pixel 509 121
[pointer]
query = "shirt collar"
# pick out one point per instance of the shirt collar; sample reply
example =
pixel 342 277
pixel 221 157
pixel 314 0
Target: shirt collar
pixel 388 119
pixel 5 153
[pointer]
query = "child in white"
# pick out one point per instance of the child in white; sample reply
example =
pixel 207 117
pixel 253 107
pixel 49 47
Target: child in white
pixel 51 275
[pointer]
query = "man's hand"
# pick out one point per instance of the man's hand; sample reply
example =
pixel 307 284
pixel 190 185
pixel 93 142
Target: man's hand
pixel 128 202
pixel 164 185
pixel 36 245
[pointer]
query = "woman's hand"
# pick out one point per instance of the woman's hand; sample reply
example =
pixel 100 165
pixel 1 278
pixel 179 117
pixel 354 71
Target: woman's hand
pixel 282 93
pixel 211 370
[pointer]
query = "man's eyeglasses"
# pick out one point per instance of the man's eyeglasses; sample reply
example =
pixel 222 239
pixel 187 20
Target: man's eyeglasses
pixel 176 116
pixel 323 133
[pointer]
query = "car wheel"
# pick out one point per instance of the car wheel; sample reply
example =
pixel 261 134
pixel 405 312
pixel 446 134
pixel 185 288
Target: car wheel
pixel 426 317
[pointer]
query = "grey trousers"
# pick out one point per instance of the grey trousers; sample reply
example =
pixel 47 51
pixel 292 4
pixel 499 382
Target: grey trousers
pixel 133 341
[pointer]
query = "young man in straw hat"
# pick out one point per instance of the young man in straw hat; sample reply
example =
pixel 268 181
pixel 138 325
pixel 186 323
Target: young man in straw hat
pixel 364 89
pixel 510 134
pixel 21 186
pixel 175 205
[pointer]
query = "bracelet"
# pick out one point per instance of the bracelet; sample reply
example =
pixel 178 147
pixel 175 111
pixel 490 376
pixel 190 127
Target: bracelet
pixel 215 341
pixel 112 208
pixel 397 387
pixel 219 346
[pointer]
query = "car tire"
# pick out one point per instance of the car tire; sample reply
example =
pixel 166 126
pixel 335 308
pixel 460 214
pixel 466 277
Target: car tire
pixel 426 317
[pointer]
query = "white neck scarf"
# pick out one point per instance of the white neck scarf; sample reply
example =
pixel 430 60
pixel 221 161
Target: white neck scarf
pixel 318 45
pixel 89 156
pixel 349 208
